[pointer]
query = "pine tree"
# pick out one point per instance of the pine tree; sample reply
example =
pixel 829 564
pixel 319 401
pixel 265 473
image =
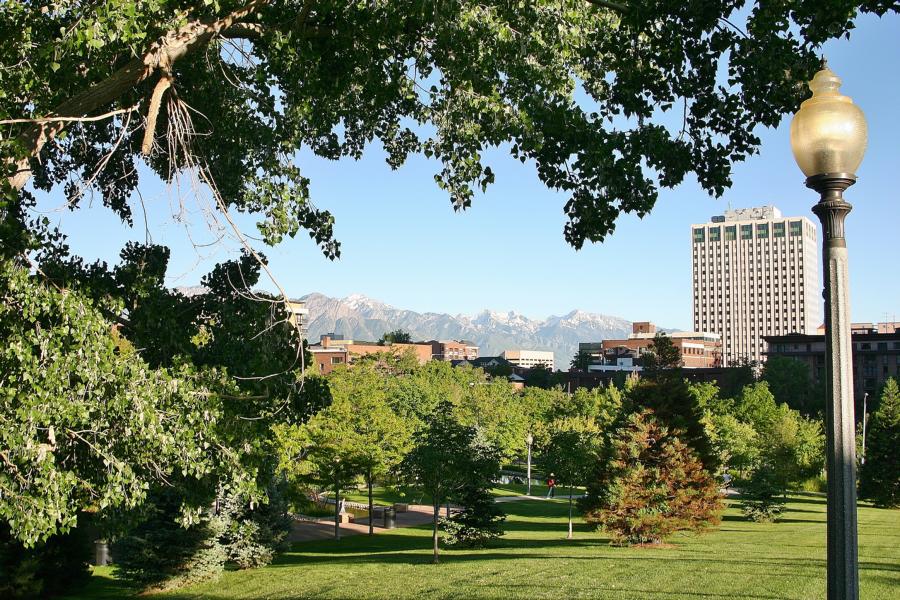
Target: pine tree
pixel 879 477
pixel 650 484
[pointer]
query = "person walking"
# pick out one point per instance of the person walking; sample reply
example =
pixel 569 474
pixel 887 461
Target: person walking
pixel 551 486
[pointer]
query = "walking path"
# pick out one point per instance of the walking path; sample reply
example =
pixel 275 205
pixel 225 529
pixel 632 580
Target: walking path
pixel 418 514
pixel 304 531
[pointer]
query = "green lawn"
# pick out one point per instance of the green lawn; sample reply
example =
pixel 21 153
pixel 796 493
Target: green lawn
pixel 784 560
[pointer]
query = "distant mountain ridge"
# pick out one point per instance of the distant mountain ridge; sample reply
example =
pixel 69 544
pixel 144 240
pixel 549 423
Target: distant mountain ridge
pixel 361 318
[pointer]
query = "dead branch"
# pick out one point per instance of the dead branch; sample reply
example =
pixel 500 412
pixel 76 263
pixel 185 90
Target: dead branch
pixel 153 112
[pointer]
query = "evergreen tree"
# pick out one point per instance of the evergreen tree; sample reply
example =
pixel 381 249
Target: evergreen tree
pixel 879 476
pixel 650 484
pixel 677 407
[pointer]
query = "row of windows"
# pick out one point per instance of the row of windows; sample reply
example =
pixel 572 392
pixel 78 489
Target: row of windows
pixel 762 232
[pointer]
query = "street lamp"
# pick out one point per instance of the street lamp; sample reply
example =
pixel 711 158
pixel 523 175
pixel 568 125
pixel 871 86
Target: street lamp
pixel 828 137
pixel 529 440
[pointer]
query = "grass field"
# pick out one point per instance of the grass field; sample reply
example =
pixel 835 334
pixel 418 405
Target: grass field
pixel 784 560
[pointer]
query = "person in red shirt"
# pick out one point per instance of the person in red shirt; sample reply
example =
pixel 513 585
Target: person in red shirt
pixel 551 486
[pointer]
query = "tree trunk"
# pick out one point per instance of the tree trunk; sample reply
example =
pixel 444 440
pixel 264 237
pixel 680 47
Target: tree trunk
pixel 371 505
pixel 337 510
pixel 569 537
pixel 434 534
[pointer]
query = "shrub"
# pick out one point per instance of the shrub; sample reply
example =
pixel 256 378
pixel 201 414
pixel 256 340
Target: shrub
pixel 480 521
pixel 57 565
pixel 762 496
pixel 649 485
pixel 160 553
pixel 253 535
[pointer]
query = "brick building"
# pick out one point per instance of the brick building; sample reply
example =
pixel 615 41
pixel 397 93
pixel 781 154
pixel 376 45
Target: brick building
pixel 876 354
pixel 333 350
pixel 698 349
pixel 453 350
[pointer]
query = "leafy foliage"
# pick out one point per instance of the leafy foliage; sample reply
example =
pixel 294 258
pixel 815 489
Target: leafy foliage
pixel 481 519
pixel 790 383
pixel 398 336
pixel 447 459
pixel 879 477
pixel 571 452
pixel 649 484
pixel 447 80
pixel 93 425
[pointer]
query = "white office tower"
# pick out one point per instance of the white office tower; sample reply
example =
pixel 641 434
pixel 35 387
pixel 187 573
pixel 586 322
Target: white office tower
pixel 755 273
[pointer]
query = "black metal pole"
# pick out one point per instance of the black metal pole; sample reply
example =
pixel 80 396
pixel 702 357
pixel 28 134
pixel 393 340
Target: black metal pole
pixel 840 426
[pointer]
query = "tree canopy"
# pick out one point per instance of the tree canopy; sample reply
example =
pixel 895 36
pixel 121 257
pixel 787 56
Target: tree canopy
pixel 232 89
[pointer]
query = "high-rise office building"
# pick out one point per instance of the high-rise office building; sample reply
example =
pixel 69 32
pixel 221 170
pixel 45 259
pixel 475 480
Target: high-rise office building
pixel 755 273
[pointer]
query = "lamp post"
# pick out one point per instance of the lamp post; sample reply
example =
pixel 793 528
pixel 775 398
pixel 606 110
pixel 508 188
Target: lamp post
pixel 828 138
pixel 529 440
pixel 862 459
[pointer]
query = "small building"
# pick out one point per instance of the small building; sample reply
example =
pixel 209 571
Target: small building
pixel 450 350
pixel 529 359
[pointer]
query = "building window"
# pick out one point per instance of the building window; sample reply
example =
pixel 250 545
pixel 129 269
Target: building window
pixel 698 236
pixel 762 231
pixel 796 228
pixel 778 230
pixel 730 233
pixel 715 234
pixel 746 232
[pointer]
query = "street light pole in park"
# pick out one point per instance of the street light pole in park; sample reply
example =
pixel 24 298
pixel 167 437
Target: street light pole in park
pixel 828 138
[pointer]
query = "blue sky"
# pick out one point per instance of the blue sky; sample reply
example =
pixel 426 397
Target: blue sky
pixel 403 244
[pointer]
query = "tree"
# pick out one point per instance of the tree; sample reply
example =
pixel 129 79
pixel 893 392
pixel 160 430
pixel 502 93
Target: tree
pixel 677 406
pixel 321 452
pixel 580 361
pixel 571 453
pixel 879 477
pixel 662 358
pixel 481 518
pixel 540 376
pixel 90 424
pixel 465 73
pixel 378 438
pixel 790 384
pixel 398 336
pixel 649 484
pixel 446 457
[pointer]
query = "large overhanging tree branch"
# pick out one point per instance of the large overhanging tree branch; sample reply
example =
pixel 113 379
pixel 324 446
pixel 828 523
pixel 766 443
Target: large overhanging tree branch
pixel 610 101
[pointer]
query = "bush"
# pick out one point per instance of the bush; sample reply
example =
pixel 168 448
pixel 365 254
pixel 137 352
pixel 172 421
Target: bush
pixel 53 567
pixel 480 521
pixel 762 496
pixel 253 535
pixel 161 553
pixel 649 485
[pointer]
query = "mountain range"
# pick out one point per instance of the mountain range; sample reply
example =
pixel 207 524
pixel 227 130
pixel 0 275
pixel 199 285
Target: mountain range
pixel 358 317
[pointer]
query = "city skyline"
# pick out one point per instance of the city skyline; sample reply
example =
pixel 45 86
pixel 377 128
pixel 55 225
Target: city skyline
pixel 403 245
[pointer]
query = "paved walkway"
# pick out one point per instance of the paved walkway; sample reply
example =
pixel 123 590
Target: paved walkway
pixel 304 531
pixel 418 514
